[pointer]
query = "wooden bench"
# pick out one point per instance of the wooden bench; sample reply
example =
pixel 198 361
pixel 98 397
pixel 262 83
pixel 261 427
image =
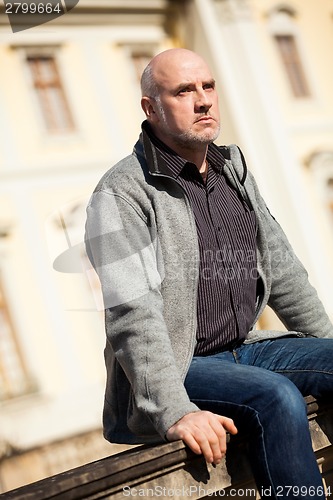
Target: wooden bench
pixel 172 470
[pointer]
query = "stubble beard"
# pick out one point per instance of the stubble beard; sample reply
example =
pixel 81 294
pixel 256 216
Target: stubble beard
pixel 189 139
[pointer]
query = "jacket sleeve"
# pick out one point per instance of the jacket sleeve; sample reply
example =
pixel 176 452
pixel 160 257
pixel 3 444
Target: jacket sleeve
pixel 123 247
pixel 292 297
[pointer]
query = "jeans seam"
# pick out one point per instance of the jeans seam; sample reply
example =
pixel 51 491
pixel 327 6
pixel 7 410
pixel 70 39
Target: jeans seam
pixel 265 456
pixel 299 370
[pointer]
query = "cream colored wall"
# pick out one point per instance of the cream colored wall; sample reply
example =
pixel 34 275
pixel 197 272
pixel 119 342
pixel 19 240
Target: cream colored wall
pixel 55 315
pixel 307 121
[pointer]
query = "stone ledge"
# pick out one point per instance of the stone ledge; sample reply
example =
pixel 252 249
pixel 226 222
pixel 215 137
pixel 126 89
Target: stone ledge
pixel 172 470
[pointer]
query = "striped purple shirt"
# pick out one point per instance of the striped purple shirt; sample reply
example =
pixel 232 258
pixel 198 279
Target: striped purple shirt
pixel 226 229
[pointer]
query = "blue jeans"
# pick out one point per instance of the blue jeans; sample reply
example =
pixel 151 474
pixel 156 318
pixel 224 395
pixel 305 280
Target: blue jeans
pixel 261 387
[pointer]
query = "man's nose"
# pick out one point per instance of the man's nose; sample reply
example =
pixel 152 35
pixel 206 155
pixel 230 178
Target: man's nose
pixel 203 102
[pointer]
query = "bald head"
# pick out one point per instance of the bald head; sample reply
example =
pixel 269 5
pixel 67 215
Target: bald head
pixel 161 66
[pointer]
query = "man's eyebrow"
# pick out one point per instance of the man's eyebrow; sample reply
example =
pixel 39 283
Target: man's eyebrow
pixel 184 85
pixel 211 81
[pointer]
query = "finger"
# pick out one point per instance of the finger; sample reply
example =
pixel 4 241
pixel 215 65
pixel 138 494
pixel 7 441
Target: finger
pixel 195 435
pixel 218 429
pixel 177 432
pixel 218 447
pixel 228 424
pixel 192 443
pixel 207 445
pixel 204 432
pixel 213 441
pixel 211 437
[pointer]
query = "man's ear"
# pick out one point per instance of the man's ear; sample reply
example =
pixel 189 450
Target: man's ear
pixel 148 107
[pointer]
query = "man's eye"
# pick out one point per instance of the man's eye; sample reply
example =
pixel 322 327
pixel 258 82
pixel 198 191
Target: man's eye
pixel 184 90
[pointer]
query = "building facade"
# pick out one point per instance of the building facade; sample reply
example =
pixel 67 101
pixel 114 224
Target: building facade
pixel 70 109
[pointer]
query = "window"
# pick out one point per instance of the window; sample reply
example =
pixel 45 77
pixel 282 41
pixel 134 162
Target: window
pixel 13 374
pixel 291 60
pixel 50 93
pixel 285 32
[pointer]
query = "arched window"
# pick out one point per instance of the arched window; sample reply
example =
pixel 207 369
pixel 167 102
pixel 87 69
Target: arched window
pixel 284 30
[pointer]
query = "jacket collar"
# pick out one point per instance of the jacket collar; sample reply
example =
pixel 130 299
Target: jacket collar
pixel 149 147
pixel 146 149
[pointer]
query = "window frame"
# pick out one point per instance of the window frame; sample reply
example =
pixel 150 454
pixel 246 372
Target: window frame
pixel 282 22
pixel 53 52
pixel 44 88
pixel 291 59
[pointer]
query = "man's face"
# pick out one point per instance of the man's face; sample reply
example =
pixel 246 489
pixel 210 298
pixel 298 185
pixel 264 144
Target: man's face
pixel 186 110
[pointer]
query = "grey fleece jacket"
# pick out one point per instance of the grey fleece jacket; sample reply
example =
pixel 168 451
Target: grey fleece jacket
pixel 141 238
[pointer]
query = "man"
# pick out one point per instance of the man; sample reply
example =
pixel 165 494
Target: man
pixel 188 257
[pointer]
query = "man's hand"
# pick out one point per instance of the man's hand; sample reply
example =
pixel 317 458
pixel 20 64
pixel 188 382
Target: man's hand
pixel 204 432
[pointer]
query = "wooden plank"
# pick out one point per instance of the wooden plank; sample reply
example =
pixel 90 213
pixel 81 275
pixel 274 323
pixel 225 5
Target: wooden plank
pixel 169 464
pixel 104 473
